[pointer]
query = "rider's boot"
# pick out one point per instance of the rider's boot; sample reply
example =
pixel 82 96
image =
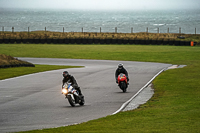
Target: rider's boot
pixel 79 90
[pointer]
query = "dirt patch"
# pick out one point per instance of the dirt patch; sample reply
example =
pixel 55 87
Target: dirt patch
pixel 9 61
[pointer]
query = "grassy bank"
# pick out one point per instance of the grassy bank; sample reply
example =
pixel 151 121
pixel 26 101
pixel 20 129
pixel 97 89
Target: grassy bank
pixel 174 106
pixel 19 71
pixel 12 67
pixel 9 61
pixel 93 35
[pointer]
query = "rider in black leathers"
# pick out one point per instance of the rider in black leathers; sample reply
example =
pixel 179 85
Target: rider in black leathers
pixel 119 70
pixel 71 79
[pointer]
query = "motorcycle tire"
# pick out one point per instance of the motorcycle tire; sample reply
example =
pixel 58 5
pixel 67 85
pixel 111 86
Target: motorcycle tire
pixel 82 101
pixel 71 101
pixel 124 90
pixel 123 86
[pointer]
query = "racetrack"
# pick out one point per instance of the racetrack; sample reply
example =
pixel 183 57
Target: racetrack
pixel 35 101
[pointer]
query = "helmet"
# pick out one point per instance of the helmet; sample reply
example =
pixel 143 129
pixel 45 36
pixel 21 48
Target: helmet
pixel 120 66
pixel 65 74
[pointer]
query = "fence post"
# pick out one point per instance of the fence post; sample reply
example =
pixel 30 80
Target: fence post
pixel 147 29
pixel 45 29
pixel 2 29
pixel 63 29
pixel 131 29
pixel 100 29
pixel 195 30
pixel 158 30
pixel 179 30
pixel 28 31
pixel 12 29
pixel 168 30
pixel 115 29
pixel 82 29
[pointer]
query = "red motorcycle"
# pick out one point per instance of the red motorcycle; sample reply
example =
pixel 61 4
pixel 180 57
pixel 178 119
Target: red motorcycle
pixel 122 82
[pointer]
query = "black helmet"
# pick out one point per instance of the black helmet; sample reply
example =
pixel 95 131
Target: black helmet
pixel 65 74
pixel 120 66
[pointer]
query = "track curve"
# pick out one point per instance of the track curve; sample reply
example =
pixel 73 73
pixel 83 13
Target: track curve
pixel 35 101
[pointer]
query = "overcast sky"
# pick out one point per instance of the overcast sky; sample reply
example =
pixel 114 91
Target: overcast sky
pixel 102 4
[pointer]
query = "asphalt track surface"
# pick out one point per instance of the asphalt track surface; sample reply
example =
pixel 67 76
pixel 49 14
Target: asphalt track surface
pixel 35 101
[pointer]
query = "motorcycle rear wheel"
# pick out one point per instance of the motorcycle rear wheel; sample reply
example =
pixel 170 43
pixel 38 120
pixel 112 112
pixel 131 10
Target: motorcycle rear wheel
pixel 82 102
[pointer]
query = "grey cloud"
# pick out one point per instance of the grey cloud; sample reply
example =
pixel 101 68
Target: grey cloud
pixel 102 4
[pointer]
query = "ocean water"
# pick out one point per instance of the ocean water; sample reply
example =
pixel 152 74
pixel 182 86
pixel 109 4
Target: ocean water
pixel 93 21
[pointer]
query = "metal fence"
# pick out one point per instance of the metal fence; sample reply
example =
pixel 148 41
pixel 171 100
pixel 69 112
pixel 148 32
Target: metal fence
pixel 113 30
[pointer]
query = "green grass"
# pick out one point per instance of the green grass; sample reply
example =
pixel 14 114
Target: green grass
pixel 19 71
pixel 173 108
pixel 166 54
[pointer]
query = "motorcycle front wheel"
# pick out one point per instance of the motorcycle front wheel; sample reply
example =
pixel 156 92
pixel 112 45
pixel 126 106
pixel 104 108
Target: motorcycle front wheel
pixel 123 86
pixel 71 101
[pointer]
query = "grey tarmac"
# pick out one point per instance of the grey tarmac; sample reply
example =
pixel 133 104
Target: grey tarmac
pixel 35 101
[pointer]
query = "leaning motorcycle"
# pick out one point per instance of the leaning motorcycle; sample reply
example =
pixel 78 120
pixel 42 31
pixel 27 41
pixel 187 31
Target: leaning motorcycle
pixel 122 82
pixel 72 95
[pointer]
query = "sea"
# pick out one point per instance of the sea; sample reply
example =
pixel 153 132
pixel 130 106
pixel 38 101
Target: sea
pixel 134 21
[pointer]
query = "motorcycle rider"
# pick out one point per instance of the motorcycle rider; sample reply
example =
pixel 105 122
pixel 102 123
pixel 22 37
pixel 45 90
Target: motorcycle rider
pixel 119 70
pixel 71 79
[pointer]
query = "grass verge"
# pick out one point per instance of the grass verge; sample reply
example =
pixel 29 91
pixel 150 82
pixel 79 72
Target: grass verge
pixel 173 108
pixel 19 71
pixel 147 53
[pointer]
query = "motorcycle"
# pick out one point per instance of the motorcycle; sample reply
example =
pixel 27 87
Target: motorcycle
pixel 72 95
pixel 122 82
